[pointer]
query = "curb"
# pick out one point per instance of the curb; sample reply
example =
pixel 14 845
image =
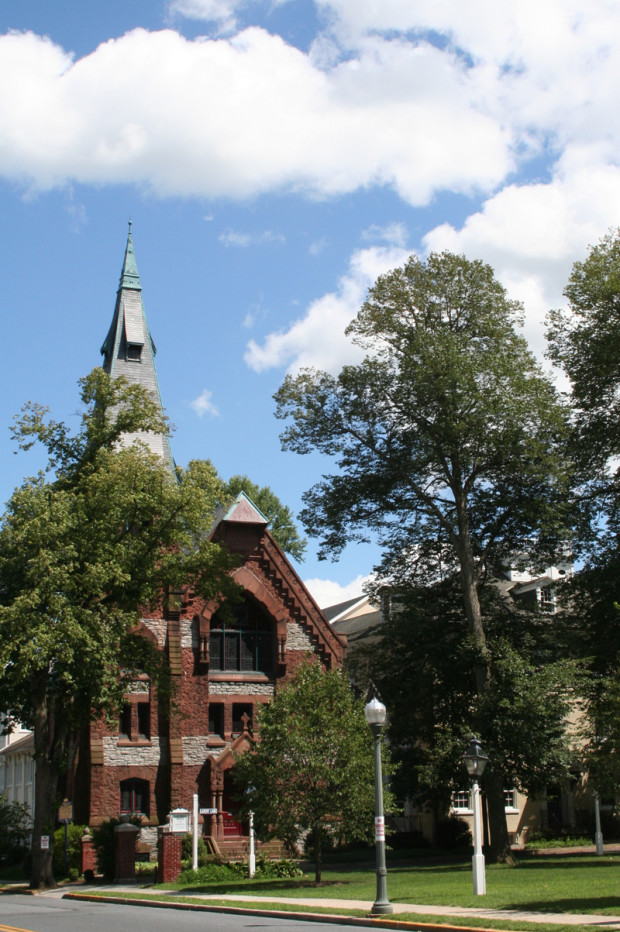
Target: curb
pixel 371 922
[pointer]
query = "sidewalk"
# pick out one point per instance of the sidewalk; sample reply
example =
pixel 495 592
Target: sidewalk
pixel 253 905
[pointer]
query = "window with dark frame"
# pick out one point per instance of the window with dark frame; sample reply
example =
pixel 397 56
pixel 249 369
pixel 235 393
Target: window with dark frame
pixel 124 726
pixel 144 719
pixel 134 352
pixel 241 640
pixel 135 797
pixel 216 719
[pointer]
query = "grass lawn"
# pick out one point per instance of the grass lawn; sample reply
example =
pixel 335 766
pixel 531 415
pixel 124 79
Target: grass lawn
pixel 582 884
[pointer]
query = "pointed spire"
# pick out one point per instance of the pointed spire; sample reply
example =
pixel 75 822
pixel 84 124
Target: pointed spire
pixel 129 275
pixel 129 350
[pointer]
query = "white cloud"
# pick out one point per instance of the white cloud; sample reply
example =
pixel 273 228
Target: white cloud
pixel 532 234
pixel 235 238
pixel 326 592
pixel 317 339
pixel 394 233
pixel 245 115
pixel 203 404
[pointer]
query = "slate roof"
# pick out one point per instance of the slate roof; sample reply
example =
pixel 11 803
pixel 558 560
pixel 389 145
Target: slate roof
pixel 129 350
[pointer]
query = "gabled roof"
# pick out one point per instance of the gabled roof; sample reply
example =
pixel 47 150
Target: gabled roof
pixel 244 511
pixel 26 743
pixel 129 350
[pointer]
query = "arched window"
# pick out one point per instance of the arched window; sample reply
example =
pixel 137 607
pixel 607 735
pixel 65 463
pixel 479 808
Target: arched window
pixel 241 639
pixel 135 796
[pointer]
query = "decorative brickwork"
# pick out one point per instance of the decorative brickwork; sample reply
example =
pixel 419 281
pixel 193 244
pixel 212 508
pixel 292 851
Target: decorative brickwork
pixel 168 857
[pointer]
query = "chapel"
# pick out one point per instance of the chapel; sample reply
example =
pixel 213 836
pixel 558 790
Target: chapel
pixel 223 669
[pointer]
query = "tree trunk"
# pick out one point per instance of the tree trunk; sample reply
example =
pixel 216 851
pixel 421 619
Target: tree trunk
pixel 317 853
pixel 45 790
pixel 499 847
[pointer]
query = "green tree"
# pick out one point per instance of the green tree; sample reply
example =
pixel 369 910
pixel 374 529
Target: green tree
pixel 312 765
pixel 584 340
pixel 80 553
pixel 280 517
pixel 448 442
pixel 423 664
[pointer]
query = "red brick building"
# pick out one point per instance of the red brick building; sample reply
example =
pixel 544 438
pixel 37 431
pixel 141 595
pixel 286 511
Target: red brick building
pixel 222 669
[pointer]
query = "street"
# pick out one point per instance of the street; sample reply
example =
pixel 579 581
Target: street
pixel 24 913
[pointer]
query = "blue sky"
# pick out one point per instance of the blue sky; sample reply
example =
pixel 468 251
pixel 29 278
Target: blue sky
pixel 275 157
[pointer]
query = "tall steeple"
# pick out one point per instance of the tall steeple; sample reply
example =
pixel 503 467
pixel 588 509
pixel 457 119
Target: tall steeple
pixel 129 349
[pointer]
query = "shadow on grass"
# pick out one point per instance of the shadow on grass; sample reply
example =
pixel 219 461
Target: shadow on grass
pixel 267 886
pixel 582 904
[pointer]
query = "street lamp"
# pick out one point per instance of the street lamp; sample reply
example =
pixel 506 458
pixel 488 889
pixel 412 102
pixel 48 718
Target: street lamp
pixel 251 853
pixel 476 760
pixel 375 716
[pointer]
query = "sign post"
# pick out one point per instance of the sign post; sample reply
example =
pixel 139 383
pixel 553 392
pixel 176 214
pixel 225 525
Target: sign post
pixel 65 814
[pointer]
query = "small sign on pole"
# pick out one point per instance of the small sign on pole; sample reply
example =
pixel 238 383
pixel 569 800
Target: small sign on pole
pixel 208 812
pixel 45 842
pixel 379 828
pixel 65 811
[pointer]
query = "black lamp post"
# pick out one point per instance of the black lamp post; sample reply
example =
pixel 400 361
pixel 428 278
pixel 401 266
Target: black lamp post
pixel 375 716
pixel 476 760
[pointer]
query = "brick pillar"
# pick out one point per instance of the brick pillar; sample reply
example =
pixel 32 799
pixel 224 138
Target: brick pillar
pixel 168 856
pixel 125 851
pixel 89 858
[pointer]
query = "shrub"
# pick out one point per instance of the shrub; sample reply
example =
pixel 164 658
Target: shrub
pixel 213 872
pixel 14 831
pixel 285 867
pixel 453 833
pixel 187 850
pixel 74 839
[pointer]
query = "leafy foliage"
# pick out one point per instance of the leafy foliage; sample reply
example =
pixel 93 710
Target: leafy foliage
pixel 14 830
pixel 74 848
pixel 80 553
pixel 449 447
pixel 312 765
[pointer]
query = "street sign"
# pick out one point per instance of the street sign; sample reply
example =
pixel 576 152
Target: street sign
pixel 65 811
pixel 379 828
pixel 45 842
pixel 208 812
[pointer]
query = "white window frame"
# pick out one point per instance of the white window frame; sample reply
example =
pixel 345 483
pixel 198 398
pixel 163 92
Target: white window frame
pixel 458 798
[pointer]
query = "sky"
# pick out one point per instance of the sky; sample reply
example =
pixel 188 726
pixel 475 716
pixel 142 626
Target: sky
pixel 275 157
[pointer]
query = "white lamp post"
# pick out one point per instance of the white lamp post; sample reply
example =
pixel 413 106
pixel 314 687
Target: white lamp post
pixel 476 760
pixel 251 852
pixel 375 716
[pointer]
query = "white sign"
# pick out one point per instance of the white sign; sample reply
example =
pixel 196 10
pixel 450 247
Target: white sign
pixel 208 812
pixel 379 828
pixel 179 820
pixel 45 841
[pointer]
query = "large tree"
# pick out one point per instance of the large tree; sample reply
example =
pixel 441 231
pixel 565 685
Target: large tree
pixel 311 768
pixel 447 438
pixel 584 340
pixel 421 660
pixel 110 530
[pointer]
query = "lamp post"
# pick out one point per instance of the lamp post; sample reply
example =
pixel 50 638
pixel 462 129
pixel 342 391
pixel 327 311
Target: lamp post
pixel 375 716
pixel 476 760
pixel 252 852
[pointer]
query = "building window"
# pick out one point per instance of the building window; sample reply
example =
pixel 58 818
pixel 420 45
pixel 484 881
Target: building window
pixel 510 800
pixel 124 725
pixel 216 719
pixel 134 352
pixel 547 598
pixel 144 719
pixel 461 801
pixel 18 772
pixel 241 640
pixel 135 797
pixel 135 721
pixel 28 769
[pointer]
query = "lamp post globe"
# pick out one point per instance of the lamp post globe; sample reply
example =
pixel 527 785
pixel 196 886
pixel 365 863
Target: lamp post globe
pixel 475 761
pixel 375 714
